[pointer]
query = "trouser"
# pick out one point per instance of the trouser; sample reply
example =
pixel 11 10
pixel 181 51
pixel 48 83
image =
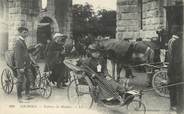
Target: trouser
pixel 174 76
pixel 129 73
pixel 174 92
pixel 23 82
pixel 173 95
pixel 149 78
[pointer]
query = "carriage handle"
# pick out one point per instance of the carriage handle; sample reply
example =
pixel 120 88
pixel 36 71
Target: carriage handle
pixel 141 92
pixel 169 85
pixel 149 65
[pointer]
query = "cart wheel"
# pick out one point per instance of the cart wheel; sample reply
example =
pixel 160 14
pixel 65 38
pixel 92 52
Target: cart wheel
pixel 160 79
pixel 7 81
pixel 79 92
pixel 45 88
pixel 136 106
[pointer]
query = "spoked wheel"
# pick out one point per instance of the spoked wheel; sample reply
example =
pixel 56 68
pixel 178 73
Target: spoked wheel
pixel 79 93
pixel 136 107
pixel 7 81
pixel 160 79
pixel 45 88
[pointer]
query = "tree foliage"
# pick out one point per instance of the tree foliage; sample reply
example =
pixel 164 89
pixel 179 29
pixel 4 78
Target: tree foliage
pixel 86 21
pixel 81 16
pixel 107 22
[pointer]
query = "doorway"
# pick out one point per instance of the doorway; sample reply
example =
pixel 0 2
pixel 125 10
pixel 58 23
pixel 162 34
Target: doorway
pixel 174 18
pixel 44 31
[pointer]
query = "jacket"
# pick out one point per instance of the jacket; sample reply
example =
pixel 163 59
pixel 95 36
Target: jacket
pixel 21 57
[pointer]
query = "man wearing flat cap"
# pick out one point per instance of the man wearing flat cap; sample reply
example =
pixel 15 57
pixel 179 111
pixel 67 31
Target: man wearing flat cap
pixel 22 63
pixel 54 59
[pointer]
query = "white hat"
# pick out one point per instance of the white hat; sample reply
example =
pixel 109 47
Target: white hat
pixel 175 36
pixel 57 34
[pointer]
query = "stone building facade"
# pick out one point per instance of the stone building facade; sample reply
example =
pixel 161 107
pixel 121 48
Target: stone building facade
pixel 141 18
pixel 3 26
pixel 42 23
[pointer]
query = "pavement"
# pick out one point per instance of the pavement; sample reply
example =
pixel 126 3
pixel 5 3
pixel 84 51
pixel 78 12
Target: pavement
pixel 58 102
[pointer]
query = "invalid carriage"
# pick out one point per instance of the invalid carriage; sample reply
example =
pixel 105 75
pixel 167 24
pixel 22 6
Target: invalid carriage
pixel 83 90
pixel 84 84
pixel 9 77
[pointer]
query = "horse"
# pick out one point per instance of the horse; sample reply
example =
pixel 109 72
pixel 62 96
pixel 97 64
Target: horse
pixel 124 53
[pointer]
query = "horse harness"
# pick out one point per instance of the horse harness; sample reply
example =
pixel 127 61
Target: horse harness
pixel 144 49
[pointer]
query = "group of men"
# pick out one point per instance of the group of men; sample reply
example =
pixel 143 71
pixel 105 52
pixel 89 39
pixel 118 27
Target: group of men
pixel 23 63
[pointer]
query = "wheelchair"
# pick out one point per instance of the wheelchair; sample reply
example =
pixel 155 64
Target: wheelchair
pixel 83 90
pixel 9 77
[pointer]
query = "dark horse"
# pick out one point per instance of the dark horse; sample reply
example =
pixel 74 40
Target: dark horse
pixel 124 53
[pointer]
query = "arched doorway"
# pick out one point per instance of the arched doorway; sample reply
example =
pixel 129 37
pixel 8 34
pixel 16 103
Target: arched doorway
pixel 45 30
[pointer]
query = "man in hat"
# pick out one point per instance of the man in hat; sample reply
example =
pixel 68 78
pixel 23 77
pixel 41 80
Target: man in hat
pixel 54 59
pixel 22 63
pixel 175 68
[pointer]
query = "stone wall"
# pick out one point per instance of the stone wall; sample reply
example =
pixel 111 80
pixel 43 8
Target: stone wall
pixel 48 13
pixel 3 26
pixel 22 13
pixel 141 18
pixel 152 18
pixel 64 15
pixel 127 19
pixel 28 13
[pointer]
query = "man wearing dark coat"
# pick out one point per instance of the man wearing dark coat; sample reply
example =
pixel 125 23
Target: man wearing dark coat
pixel 174 69
pixel 22 63
pixel 54 59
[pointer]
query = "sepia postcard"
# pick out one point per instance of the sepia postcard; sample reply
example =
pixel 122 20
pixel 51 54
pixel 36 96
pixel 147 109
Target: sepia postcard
pixel 91 57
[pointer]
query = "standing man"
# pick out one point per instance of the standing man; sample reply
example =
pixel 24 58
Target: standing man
pixel 22 63
pixel 174 68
